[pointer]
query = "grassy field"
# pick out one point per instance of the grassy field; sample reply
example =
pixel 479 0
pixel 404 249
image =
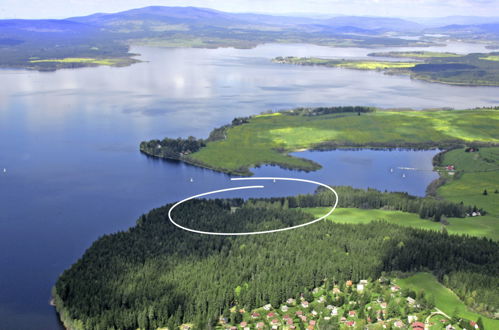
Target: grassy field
pixel 82 60
pixel 478 226
pixel 479 172
pixel 416 55
pixel 359 65
pixel 445 299
pixel 490 58
pixel 267 139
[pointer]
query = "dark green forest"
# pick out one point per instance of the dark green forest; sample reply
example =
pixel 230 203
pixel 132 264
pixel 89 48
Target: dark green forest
pixel 156 275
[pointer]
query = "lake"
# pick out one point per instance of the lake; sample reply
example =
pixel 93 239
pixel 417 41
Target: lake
pixel 69 144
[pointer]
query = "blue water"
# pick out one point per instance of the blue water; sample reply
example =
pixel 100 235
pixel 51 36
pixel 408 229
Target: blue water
pixel 69 142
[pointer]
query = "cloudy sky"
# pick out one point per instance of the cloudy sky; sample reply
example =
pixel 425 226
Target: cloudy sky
pixel 399 8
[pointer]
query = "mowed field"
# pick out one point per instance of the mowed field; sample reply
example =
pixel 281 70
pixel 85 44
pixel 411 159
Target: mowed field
pixel 476 226
pixel 267 139
pixel 445 299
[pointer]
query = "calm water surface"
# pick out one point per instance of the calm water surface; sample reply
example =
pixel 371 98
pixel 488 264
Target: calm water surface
pixel 69 144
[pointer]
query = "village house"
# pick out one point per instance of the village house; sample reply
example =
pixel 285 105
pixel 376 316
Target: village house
pixel 243 324
pixel 260 325
pixel 255 315
pixel 411 301
pixel 271 314
pixel 398 324
pixel 360 287
pixel 474 325
pixel 383 304
pixel 363 282
pixel 334 311
pixel 336 290
pixel 349 283
pixel 417 326
pixel 304 304
pixel 395 288
pixel 299 313
pixel 321 299
pixel 267 307
pixel 314 313
pixel 350 323
pixel 291 301
pixel 284 308
pixel 449 327
pixel 411 318
pixel 352 313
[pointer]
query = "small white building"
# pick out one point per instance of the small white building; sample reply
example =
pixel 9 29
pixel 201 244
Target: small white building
pixel 267 307
pixel 360 287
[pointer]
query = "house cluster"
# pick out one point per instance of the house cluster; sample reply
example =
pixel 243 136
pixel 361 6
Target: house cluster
pixel 387 306
pixel 325 308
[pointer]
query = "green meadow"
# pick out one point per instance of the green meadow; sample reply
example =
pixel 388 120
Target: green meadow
pixel 267 139
pixel 83 60
pixel 421 54
pixel 487 226
pixel 445 299
pixel 477 171
pixel 359 65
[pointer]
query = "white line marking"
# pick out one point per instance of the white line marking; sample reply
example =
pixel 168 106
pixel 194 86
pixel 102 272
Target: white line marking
pixel 252 187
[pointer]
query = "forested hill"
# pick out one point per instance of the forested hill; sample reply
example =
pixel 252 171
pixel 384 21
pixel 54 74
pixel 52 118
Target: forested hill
pixel 156 275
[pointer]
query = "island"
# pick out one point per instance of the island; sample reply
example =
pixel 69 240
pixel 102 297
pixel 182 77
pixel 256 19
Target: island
pixel 477 69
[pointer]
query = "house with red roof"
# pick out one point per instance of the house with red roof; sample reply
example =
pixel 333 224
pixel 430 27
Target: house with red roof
pixel 417 326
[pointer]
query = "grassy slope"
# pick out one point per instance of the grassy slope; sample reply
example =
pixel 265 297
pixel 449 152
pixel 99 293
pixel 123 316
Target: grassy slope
pixel 480 226
pixel 445 299
pixel 257 142
pixel 480 171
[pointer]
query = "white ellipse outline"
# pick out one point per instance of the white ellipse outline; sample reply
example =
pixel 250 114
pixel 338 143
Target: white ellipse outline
pixel 252 187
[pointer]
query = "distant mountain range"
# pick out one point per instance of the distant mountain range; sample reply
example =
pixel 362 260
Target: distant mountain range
pixel 109 35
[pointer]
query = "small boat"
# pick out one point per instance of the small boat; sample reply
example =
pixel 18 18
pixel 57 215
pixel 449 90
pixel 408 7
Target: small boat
pixel 403 175
pixel 4 170
pixel 391 170
pixel 274 180
pixel 191 180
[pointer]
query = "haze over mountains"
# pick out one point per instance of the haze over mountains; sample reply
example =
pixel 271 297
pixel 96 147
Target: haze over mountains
pixel 154 19
pixel 108 36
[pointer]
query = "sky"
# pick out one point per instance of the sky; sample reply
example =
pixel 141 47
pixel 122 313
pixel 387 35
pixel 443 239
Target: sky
pixel 394 8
